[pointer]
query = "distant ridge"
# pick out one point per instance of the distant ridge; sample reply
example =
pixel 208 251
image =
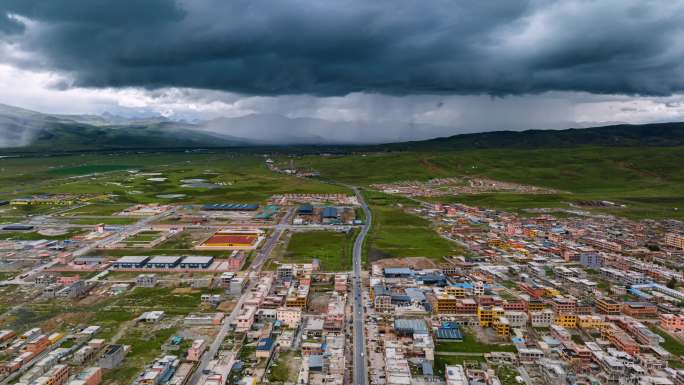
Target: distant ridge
pixel 624 135
pixel 23 130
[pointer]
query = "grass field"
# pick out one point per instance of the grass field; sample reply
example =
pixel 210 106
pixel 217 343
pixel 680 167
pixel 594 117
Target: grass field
pixel 333 249
pixel 442 361
pixel 471 345
pixel 145 346
pixel 33 236
pixel 241 178
pixel 396 233
pixel 648 180
pixel 672 345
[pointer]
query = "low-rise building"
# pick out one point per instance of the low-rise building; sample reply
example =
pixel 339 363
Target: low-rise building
pixel 672 322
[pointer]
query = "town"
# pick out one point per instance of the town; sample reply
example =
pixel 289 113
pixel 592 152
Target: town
pixel 539 298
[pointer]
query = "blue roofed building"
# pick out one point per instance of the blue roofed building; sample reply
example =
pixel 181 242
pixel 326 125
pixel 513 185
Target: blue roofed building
pixel 131 262
pixel 398 272
pixel 305 209
pixel 407 326
pixel 452 333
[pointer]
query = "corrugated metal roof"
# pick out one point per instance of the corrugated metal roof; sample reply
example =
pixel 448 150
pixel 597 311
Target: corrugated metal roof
pixel 415 325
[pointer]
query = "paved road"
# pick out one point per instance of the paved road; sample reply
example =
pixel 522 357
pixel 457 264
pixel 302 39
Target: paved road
pixel 256 266
pixel 130 229
pixel 360 370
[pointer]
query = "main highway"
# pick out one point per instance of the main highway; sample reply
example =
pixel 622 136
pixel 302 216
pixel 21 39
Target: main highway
pixel 360 370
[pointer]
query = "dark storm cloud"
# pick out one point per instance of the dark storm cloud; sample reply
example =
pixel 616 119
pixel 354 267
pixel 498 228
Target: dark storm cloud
pixel 334 47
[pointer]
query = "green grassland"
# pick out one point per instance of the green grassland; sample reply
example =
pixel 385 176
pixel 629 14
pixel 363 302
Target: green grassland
pixel 650 180
pixel 241 178
pixel 145 347
pixel 33 236
pixel 333 249
pixel 442 361
pixel 396 233
pixel 470 344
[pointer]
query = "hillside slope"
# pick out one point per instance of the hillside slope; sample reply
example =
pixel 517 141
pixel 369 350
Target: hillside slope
pixel 25 130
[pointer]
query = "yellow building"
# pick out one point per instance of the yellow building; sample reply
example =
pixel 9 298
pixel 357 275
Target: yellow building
pixel 551 292
pixel 487 314
pixel 496 243
pixel 297 297
pixel 446 304
pixel 590 322
pixel 456 291
pixel 535 305
pixel 501 326
pixel 568 321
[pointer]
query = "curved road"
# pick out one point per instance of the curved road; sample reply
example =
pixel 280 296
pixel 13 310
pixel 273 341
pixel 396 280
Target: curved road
pixel 360 370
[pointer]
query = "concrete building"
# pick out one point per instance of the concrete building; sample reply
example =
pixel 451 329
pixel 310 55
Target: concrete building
pixel 542 318
pixel 672 322
pixel 88 376
pixel 290 317
pixel 675 240
pixel 607 306
pixel 112 357
pixel 196 351
pixel 146 280
pixel 455 375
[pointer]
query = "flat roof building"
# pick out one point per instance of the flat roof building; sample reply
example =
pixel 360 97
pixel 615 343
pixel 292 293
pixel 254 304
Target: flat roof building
pixel 230 207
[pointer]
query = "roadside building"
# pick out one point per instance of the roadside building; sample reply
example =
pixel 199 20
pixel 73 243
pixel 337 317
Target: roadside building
pixel 196 351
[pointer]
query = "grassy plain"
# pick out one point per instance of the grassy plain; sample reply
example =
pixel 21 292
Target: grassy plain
pixel 396 233
pixel 240 178
pixel 649 181
pixel 333 249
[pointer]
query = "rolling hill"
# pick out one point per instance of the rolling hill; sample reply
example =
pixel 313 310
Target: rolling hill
pixel 25 130
pixel 622 135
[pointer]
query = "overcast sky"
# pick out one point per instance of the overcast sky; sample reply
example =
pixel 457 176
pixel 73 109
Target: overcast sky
pixel 466 65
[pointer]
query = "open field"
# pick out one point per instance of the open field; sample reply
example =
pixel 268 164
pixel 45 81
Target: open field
pixel 649 181
pixel 238 178
pixel 396 233
pixel 33 236
pixel 470 344
pixel 333 249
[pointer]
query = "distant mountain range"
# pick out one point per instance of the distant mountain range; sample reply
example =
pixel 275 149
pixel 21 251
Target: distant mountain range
pixel 25 130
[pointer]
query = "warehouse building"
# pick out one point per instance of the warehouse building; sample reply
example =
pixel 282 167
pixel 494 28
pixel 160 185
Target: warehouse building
pixel 305 209
pixel 131 262
pixel 196 262
pixel 164 262
pixel 230 207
